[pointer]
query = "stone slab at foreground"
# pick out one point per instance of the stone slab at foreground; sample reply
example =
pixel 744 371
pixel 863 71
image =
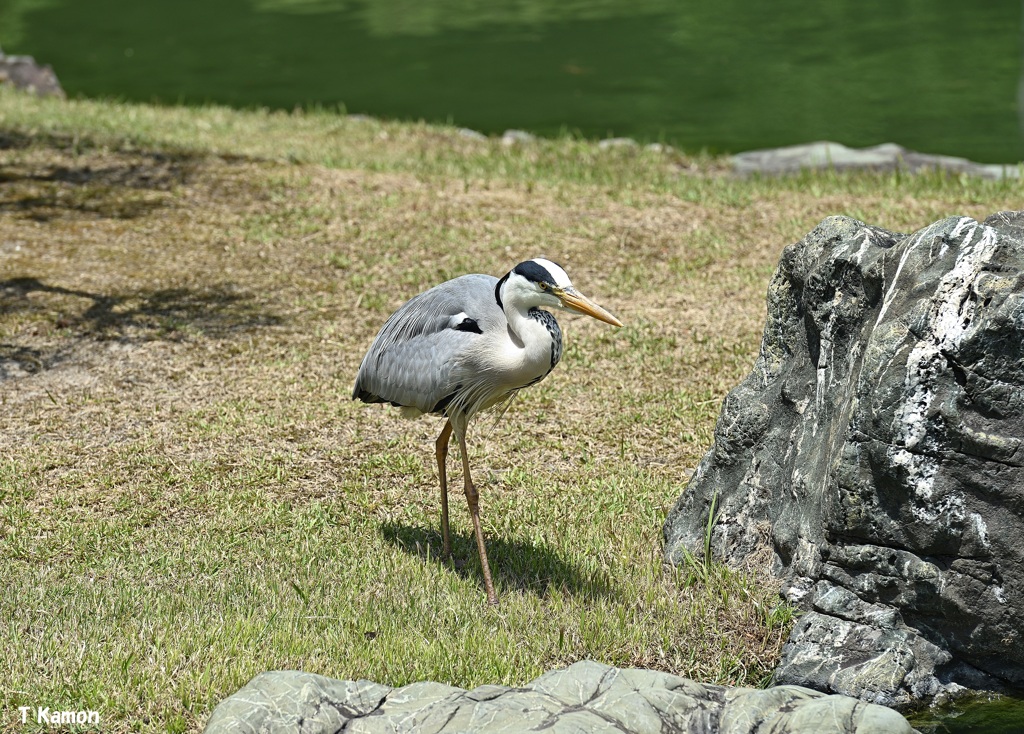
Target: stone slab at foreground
pixel 877 452
pixel 586 698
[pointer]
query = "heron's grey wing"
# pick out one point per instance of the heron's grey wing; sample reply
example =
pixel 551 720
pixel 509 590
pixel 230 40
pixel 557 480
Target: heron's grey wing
pixel 410 362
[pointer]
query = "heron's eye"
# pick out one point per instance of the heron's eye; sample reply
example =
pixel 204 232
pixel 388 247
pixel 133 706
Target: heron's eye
pixel 543 285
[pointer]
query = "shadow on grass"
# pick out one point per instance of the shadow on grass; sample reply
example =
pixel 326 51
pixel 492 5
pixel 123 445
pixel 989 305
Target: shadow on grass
pixel 114 184
pixel 514 564
pixel 171 314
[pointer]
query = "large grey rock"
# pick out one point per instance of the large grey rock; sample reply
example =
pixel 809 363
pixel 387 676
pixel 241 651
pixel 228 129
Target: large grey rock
pixel 23 72
pixel 875 449
pixel 586 697
pixel 826 154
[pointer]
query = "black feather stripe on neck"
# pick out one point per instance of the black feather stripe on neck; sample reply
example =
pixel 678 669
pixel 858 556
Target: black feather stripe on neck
pixel 497 290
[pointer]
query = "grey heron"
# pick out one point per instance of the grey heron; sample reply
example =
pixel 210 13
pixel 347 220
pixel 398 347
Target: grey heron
pixel 466 345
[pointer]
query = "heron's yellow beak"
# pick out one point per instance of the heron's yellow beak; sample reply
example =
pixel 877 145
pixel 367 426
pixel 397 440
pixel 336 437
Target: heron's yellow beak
pixel 573 300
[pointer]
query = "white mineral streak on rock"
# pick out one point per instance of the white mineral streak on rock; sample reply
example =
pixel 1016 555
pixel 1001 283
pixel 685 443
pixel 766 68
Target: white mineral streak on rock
pixel 887 299
pixel 867 242
pixel 821 376
pixel 952 313
pixel 826 351
pixel 799 587
pixel 980 527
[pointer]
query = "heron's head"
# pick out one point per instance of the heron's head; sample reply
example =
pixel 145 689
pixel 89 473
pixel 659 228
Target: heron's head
pixel 541 283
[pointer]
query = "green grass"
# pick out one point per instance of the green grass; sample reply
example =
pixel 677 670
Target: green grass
pixel 189 497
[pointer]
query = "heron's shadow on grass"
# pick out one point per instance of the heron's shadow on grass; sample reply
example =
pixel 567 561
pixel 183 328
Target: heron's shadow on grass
pixel 514 564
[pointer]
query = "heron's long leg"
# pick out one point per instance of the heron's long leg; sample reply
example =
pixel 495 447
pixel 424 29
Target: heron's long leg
pixel 442 473
pixel 472 497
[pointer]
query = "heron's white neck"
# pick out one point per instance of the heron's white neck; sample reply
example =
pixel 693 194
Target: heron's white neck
pixel 524 330
pixel 532 348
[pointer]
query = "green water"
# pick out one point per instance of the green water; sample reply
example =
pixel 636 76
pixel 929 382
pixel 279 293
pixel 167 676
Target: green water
pixel 934 75
pixel 977 715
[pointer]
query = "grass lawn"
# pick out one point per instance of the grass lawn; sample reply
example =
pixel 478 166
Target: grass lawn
pixel 188 495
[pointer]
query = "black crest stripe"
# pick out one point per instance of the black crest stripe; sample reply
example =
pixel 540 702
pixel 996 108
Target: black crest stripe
pixel 532 270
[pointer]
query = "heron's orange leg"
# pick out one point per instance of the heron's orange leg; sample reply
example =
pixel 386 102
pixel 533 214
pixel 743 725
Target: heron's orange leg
pixel 473 498
pixel 441 448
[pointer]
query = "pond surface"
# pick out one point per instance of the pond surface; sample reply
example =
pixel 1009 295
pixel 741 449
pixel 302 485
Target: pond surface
pixel 977 715
pixel 939 76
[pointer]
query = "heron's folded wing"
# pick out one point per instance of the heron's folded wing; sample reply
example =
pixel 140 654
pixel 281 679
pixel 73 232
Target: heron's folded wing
pixel 411 360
